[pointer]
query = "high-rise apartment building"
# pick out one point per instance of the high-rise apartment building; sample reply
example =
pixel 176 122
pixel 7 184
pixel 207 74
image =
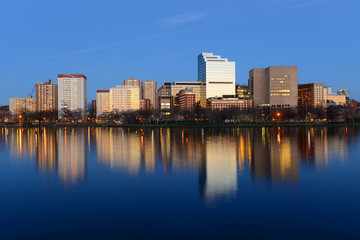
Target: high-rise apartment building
pixel 311 95
pixel 149 91
pixel 22 105
pixel 124 98
pixel 274 86
pixel 132 82
pixel 72 93
pixel 102 102
pixel 218 73
pixel 199 88
pixel 46 96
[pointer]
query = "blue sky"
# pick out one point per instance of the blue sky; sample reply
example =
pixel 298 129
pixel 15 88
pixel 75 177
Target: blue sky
pixel 109 41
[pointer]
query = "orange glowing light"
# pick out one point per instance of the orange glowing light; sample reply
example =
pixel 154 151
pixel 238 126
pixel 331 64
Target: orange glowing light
pixel 278 114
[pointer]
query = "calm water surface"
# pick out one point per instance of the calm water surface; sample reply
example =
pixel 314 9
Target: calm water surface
pixel 169 183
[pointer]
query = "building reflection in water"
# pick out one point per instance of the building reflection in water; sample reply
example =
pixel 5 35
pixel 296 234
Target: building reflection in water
pixel 118 148
pixel 72 154
pixel 218 165
pixel 47 149
pixel 219 155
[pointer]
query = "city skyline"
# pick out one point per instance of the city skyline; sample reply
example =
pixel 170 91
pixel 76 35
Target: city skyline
pixel 113 57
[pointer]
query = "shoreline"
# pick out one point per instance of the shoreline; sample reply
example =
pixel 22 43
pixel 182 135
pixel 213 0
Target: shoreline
pixel 187 125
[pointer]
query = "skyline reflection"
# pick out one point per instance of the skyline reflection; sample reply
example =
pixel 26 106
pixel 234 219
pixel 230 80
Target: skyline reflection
pixel 220 157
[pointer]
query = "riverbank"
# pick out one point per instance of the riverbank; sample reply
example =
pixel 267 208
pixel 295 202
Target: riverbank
pixel 186 124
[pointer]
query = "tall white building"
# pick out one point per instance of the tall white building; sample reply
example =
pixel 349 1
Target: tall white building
pixel 125 98
pixel 102 102
pixel 218 73
pixel 72 93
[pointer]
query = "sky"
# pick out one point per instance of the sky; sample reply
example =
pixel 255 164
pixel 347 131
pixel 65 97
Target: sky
pixel 111 40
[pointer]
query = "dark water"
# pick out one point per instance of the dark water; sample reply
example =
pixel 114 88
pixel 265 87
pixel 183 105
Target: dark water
pixel 173 183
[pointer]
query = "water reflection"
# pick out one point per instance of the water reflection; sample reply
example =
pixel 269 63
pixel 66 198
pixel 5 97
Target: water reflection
pixel 219 156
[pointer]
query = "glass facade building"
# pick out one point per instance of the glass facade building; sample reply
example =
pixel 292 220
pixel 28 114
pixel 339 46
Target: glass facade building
pixel 218 73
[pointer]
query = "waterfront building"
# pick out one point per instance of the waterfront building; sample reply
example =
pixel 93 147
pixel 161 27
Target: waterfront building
pixel 187 99
pixel 311 95
pixel 274 86
pixel 230 103
pixel 327 91
pixel 218 74
pixel 46 96
pixel 242 91
pixel 335 99
pixel 148 91
pixel 72 93
pixel 199 88
pixel 102 102
pixel 22 105
pixel 164 97
pixel 132 82
pixel 145 104
pixel 344 91
pixel 124 98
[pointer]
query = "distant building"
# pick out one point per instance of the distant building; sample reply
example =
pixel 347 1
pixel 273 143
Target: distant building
pixel 46 96
pixel 145 105
pixel 124 98
pixel 164 97
pixel 102 102
pixel 327 91
pixel 187 99
pixel 311 95
pixel 149 91
pixel 199 88
pixel 132 82
pixel 242 91
pixel 344 91
pixel 72 93
pixel 274 86
pixel 22 105
pixel 218 74
pixel 335 99
pixel 230 103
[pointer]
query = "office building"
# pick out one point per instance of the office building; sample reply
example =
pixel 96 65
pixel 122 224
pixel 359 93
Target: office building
pixel 327 91
pixel 72 93
pixel 145 105
pixel 124 98
pixel 102 102
pixel 199 88
pixel 242 91
pixel 344 91
pixel 230 103
pixel 336 99
pixel 187 100
pixel 274 86
pixel 46 96
pixel 149 91
pixel 22 105
pixel 132 82
pixel 164 98
pixel 218 74
pixel 311 95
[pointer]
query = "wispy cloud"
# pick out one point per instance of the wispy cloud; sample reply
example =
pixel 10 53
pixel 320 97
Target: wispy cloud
pixel 182 19
pixel 305 4
pixel 176 21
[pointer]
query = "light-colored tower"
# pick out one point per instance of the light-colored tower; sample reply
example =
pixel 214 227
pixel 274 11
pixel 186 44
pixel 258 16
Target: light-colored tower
pixel 218 73
pixel 274 86
pixel 102 102
pixel 132 82
pixel 72 93
pixel 149 91
pixel 124 98
pixel 46 96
